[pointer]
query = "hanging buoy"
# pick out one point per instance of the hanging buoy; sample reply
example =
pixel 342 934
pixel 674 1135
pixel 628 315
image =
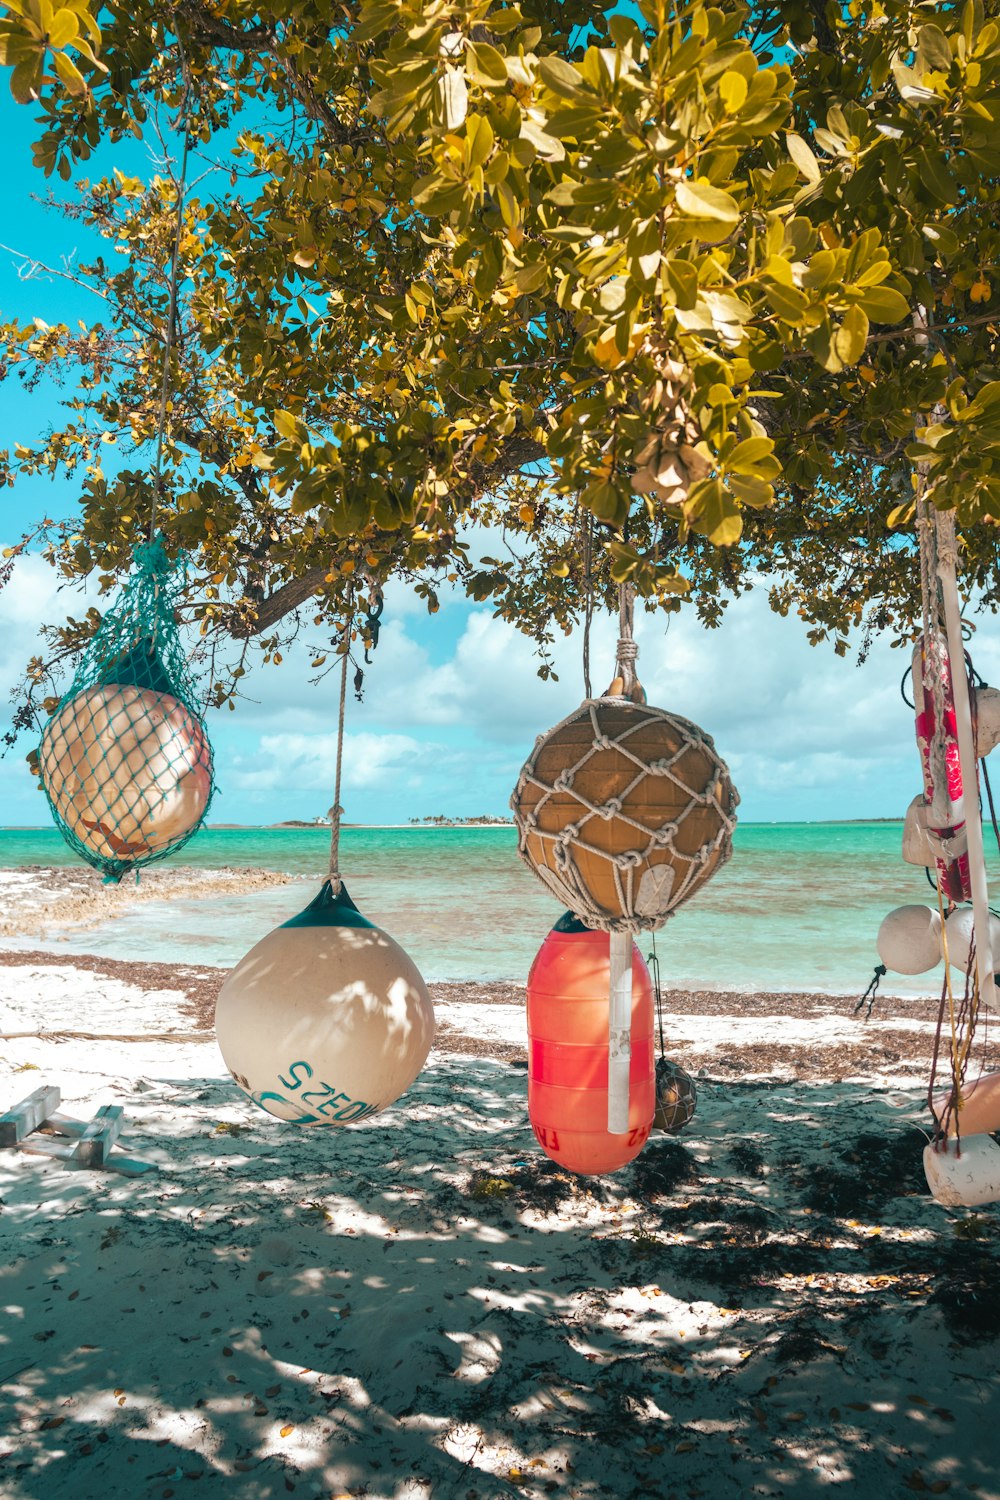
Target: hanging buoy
pixel 963 1173
pixel 909 940
pixel 127 770
pixel 676 1097
pixel 125 760
pixel 958 931
pixel 941 765
pixel 568 1052
pixel 624 811
pixel 326 1021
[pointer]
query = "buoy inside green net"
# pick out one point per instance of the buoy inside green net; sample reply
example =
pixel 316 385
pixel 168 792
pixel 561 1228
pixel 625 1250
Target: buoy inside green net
pixel 125 761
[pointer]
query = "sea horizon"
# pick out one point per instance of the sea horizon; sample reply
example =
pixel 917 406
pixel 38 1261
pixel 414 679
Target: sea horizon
pixel 304 825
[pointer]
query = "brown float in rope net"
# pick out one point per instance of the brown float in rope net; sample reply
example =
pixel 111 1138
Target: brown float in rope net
pixel 624 810
pixel 676 1097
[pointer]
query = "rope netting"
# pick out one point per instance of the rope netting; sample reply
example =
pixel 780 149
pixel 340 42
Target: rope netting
pixel 124 760
pixel 647 891
pixel 654 873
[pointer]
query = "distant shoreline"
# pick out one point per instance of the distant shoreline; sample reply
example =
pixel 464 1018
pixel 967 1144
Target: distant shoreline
pixel 293 826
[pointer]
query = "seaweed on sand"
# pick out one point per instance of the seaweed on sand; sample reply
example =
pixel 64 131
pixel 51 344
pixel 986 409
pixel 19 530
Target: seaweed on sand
pixel 874 1169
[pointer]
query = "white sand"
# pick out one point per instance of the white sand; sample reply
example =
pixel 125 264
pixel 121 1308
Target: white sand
pixel 347 1313
pixel 38 901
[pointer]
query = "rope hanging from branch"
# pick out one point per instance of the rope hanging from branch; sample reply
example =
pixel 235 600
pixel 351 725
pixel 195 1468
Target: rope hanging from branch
pixel 626 683
pixel 170 332
pixel 336 811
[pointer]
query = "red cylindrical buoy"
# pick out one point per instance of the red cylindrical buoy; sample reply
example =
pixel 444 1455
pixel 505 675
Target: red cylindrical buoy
pixel 568 1051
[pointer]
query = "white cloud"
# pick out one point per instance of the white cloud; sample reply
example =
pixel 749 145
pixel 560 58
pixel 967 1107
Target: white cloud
pixel 308 762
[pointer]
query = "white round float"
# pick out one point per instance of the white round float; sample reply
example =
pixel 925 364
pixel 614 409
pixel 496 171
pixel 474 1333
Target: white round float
pixel 326 1021
pixel 909 940
pixel 958 931
pixel 963 1173
pixel 127 769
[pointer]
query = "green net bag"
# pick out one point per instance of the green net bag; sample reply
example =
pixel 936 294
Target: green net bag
pixel 125 761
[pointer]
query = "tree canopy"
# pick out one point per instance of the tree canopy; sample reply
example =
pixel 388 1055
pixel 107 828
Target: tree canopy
pixel 677 294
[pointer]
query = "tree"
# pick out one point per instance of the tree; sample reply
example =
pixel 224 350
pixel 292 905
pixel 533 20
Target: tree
pixel 635 291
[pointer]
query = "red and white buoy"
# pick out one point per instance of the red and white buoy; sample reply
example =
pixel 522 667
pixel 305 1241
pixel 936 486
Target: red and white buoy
pixel 569 1051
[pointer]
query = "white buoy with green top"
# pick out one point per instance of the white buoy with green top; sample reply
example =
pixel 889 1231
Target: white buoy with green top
pixel 326 1021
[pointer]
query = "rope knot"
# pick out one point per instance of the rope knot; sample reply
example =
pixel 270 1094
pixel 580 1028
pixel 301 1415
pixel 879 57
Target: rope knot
pixel 611 808
pixel 561 846
pixel 630 860
pixel 663 837
pixel 628 651
pixel 660 767
pixel 601 742
pixel 564 781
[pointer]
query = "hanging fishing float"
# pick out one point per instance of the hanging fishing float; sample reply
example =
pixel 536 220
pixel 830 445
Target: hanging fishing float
pixel 623 811
pixel 326 1021
pixel 125 760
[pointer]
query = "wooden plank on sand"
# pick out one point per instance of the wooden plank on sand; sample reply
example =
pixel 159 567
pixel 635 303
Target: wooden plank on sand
pixel 28 1115
pixel 99 1136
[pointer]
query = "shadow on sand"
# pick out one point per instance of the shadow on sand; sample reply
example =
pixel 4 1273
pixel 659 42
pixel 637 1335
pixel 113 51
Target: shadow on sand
pixel 426 1307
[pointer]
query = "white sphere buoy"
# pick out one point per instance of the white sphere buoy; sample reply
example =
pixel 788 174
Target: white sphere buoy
pixel 909 940
pixel 964 1173
pixel 958 931
pixel 326 1021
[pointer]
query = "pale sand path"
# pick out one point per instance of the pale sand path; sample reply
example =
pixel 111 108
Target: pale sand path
pixel 423 1308
pixel 38 899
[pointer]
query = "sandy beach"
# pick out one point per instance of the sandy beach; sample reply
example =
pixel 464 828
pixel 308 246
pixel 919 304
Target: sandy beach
pixel 425 1306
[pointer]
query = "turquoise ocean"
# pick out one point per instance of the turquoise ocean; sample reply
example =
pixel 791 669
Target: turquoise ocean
pixel 796 908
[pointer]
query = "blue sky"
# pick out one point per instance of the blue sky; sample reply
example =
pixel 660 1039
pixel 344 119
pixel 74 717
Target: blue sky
pixel 452 702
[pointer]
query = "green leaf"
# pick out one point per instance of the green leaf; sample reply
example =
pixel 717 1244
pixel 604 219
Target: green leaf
pixel 604 502
pixel 802 155
pixel 733 91
pixel 933 51
pixel 942 238
pixel 562 78
pixel 452 94
pixel 746 456
pixel 751 490
pixel 485 65
pixel 70 75
pixel 683 279
pixel 884 305
pixel 701 201
pixel 711 510
pixel 852 335
pixel 788 302
pixel 822 341
pixel 26 79
pixel 63 29
pixel 934 172
pixel 479 134
pixel 287 425
pixel 548 148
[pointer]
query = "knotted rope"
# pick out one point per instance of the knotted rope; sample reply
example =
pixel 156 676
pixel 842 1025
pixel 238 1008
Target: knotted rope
pixel 170 332
pixel 628 652
pixel 644 906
